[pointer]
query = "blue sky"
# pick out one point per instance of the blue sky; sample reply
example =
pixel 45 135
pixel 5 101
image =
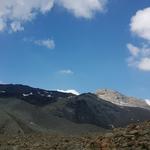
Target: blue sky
pixel 57 45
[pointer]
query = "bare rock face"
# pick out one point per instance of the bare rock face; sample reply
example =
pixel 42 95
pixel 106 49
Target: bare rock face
pixel 120 99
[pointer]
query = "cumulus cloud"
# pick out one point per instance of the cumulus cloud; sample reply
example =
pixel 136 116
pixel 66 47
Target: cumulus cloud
pixel 2 25
pixel 144 64
pixel 133 49
pixel 16 26
pixel 140 23
pixel 48 43
pixel 66 72
pixel 69 91
pixel 140 26
pixel 15 13
pixel 83 8
pixel 139 57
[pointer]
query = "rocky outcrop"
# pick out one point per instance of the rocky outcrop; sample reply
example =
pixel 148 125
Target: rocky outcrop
pixel 134 136
pixel 120 99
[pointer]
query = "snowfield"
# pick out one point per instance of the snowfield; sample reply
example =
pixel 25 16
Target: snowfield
pixel 147 101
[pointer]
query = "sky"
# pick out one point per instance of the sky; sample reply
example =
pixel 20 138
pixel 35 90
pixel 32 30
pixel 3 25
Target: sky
pixel 81 45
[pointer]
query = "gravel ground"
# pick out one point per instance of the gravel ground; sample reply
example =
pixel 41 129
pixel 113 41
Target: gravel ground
pixel 133 137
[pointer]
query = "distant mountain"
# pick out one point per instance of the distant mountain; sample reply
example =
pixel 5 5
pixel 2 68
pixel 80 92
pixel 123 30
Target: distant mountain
pixel 31 95
pixel 88 108
pixel 122 100
pixel 24 109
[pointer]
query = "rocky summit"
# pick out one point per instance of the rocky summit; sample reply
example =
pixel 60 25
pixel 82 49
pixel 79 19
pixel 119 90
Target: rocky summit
pixel 122 100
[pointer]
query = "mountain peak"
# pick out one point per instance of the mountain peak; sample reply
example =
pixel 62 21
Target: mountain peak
pixel 108 91
pixel 120 99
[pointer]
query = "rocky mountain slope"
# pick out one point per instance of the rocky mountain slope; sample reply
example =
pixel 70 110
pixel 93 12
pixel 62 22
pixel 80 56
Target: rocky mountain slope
pixel 88 108
pixel 25 110
pixel 133 137
pixel 122 100
pixel 20 117
pixel 35 96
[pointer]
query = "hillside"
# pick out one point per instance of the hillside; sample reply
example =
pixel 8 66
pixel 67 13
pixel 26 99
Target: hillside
pixel 25 110
pixel 88 108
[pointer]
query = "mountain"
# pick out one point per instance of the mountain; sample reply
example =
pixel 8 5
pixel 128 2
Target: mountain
pixel 35 96
pixel 20 117
pixel 122 100
pixel 24 109
pixel 88 108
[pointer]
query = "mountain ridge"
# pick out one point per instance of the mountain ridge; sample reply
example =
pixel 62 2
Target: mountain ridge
pixel 33 110
pixel 120 99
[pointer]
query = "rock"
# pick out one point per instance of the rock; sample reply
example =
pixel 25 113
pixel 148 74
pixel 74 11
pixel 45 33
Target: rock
pixel 118 139
pixel 134 132
pixel 107 135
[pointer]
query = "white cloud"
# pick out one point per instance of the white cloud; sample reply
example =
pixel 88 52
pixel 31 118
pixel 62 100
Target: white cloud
pixel 69 91
pixel 1 82
pixel 140 26
pixel 15 13
pixel 2 25
pixel 48 43
pixel 139 57
pixel 144 64
pixel 83 8
pixel 147 101
pixel 16 26
pixel 133 49
pixel 66 72
pixel 140 23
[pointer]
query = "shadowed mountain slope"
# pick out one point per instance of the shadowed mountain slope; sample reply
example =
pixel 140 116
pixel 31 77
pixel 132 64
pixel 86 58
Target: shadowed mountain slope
pixel 25 109
pixel 88 108
pixel 35 96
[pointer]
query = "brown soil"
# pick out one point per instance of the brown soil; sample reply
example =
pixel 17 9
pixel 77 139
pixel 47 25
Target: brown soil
pixel 133 137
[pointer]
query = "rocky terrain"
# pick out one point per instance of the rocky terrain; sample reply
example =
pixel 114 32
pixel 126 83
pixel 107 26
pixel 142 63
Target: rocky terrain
pixel 122 100
pixel 133 137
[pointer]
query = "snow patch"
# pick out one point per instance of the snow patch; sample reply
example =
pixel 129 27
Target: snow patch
pixel 49 96
pixel 41 94
pixel 69 91
pixel 122 103
pixel 25 95
pixel 147 101
pixel 2 91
